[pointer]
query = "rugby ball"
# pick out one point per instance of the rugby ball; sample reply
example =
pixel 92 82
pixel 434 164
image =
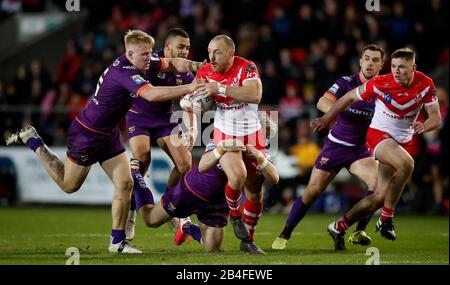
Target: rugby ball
pixel 205 104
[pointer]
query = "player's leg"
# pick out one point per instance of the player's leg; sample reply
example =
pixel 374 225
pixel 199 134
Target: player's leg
pixel 391 153
pixel 212 238
pixel 69 176
pixel 180 156
pixel 253 208
pixel 154 215
pixel 317 184
pixel 118 170
pixel 365 169
pixel 139 142
pixel 140 149
pixel 366 206
pixel 235 170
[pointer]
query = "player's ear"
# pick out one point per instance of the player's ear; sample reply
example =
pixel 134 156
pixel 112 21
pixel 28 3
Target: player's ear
pixel 130 54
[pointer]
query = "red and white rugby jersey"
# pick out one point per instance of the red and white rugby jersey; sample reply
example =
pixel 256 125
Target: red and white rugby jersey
pixel 397 107
pixel 232 117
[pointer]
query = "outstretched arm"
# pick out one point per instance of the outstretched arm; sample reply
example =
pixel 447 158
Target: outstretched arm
pixel 326 102
pixel 341 105
pixel 249 92
pixel 269 170
pixel 179 64
pixel 166 93
pixel 211 158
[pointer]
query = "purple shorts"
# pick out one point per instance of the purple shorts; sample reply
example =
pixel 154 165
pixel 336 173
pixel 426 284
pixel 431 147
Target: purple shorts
pixel 87 147
pixel 154 127
pixel 179 201
pixel 334 156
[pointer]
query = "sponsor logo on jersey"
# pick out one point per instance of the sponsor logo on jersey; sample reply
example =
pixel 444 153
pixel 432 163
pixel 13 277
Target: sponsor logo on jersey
pixel 131 129
pixel 387 98
pixel 116 62
pixel 138 79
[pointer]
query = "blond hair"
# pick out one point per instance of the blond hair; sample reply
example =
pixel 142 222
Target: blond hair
pixel 137 37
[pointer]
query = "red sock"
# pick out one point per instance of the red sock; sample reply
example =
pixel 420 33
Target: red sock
pixel 386 213
pixel 341 225
pixel 233 200
pixel 252 213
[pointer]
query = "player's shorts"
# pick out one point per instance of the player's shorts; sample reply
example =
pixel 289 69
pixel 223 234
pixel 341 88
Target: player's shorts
pixel 335 156
pixel 154 127
pixel 87 146
pixel 256 139
pixel 179 201
pixel 375 137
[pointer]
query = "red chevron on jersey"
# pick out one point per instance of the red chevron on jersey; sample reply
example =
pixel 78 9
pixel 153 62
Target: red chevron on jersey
pixel 396 106
pixel 233 117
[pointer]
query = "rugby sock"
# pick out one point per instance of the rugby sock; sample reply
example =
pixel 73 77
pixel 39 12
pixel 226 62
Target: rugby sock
pixel 362 224
pixel 141 192
pixel 386 213
pixel 193 230
pixel 341 225
pixel 34 143
pixel 296 214
pixel 233 201
pixel 117 236
pixel 252 213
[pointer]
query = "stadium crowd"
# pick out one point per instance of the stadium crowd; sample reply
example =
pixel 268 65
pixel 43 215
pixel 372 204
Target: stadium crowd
pixel 300 47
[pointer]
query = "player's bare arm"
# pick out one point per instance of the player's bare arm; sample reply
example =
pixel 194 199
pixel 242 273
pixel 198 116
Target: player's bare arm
pixel 433 121
pixel 211 158
pixel 341 105
pixel 249 92
pixel 166 93
pixel 269 170
pixel 189 137
pixel 179 64
pixel 326 102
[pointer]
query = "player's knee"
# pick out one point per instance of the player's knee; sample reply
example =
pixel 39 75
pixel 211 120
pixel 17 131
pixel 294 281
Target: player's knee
pixel 378 199
pixel 71 188
pixel 315 189
pixel 125 184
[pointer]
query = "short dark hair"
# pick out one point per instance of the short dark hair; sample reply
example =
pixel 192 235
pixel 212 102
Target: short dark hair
pixel 405 53
pixel 177 32
pixel 373 47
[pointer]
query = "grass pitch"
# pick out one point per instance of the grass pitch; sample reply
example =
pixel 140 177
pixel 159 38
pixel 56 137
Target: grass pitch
pixel 41 235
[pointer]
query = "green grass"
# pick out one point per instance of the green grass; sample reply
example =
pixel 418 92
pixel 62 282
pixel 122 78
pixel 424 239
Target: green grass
pixel 41 235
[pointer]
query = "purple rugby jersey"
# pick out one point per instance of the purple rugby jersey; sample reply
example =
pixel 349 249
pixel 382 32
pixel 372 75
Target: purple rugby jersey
pixel 158 109
pixel 116 89
pixel 351 125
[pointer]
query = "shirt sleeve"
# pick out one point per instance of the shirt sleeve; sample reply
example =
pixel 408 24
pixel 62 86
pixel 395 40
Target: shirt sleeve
pixel 337 90
pixel 189 77
pixel 430 96
pixel 249 71
pixel 133 82
pixel 367 90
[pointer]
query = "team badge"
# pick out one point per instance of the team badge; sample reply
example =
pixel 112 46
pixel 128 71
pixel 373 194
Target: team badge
pixel 388 98
pixel 179 81
pixel 138 79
